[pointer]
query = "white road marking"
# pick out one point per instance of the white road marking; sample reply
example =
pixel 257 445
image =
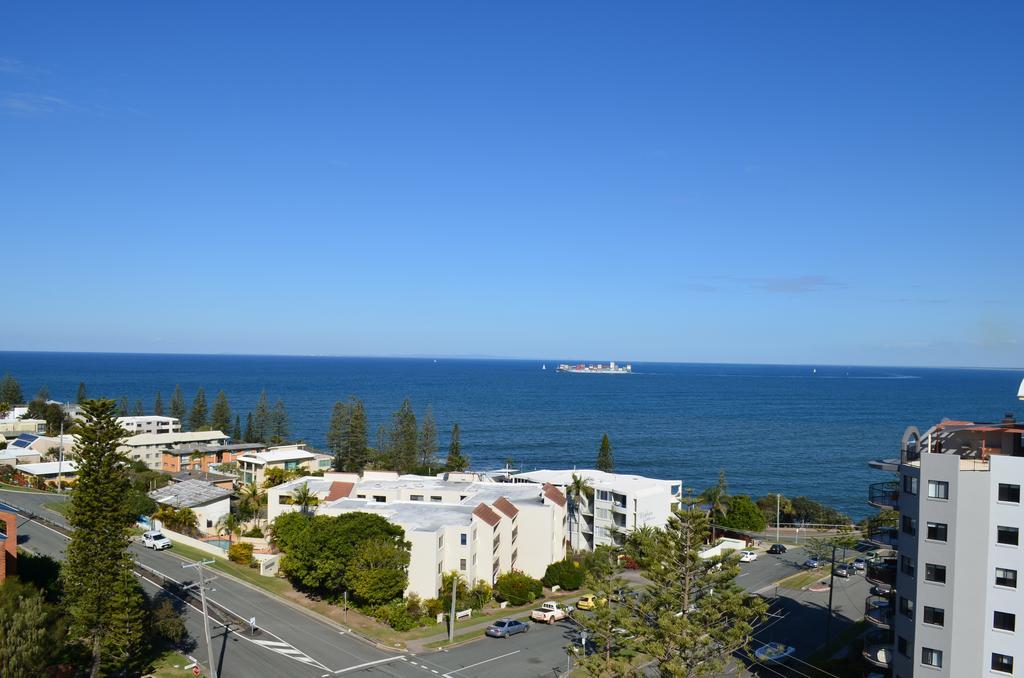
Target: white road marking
pixel 502 656
pixel 373 663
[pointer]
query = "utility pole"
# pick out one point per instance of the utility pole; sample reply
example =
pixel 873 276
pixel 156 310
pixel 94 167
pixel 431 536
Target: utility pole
pixel 778 501
pixel 206 617
pixel 451 618
pixel 831 583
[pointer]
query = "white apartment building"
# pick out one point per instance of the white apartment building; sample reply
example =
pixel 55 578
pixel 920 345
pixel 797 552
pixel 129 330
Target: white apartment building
pixel 254 465
pixel 955 605
pixel 150 424
pixel 460 522
pixel 618 503
pixel 146 447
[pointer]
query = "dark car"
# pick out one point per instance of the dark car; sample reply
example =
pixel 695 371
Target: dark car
pixel 776 549
pixel 503 628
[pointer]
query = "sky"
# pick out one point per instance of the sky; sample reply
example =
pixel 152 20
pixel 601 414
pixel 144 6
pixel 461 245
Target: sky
pixel 798 182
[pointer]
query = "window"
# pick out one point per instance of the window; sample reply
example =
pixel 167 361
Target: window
pixel 935 573
pixel 360 496
pixel 1008 535
pixel 439 568
pixel 937 531
pixel 909 526
pixel 602 513
pixel 907 565
pixel 602 495
pixel 675 489
pixel 910 484
pixel 906 607
pixel 1005 577
pixel 440 541
pixel 380 499
pixel 930 657
pixel 938 489
pixel 435 498
pixel 1002 662
pixel 1004 621
pixel 1010 493
pixel 934 615
pixel 463 539
pixel 416 497
pixel 462 564
pixel 902 646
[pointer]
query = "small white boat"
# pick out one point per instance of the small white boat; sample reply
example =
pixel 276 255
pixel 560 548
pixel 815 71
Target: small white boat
pixel 1020 391
pixel 544 367
pixel 774 653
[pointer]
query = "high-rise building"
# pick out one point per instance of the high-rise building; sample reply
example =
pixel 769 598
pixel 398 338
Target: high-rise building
pixel 947 599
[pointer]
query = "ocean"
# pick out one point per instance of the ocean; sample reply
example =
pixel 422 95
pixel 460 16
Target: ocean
pixel 796 429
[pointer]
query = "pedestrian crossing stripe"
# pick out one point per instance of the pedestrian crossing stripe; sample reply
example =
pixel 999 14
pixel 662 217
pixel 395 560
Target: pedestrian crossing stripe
pixel 288 651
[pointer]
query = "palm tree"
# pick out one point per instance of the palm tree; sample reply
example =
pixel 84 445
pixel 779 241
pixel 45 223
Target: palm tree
pixel 717 499
pixel 252 496
pixel 303 497
pixel 229 525
pixel 577 491
pixel 193 458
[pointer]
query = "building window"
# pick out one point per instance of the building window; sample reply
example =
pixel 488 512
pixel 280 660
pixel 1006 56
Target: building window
pixel 907 607
pixel 910 484
pixel 1010 493
pixel 1004 621
pixel 602 514
pixel 380 499
pixel 903 646
pixel 935 573
pixel 1002 662
pixel 907 565
pixel 930 657
pixel 602 495
pixel 934 615
pixel 439 568
pixel 1005 577
pixel 909 526
pixel 937 531
pixel 416 497
pixel 440 542
pixel 1007 535
pixel 462 564
pixel 938 489
pixel 463 539
pixel 435 499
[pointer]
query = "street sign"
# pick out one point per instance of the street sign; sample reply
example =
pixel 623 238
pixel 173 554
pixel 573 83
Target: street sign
pixel 195 670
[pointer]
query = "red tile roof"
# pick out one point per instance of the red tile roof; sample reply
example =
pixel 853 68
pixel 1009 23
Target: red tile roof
pixel 486 514
pixel 339 490
pixel 506 507
pixel 554 494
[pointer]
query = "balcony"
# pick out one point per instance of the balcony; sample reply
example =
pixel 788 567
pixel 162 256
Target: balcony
pixel 878 611
pixel 890 465
pixel 882 571
pixel 884 495
pixel 884 535
pixel 878 649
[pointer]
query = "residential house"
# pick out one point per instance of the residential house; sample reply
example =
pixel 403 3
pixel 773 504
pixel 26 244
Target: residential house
pixel 221 480
pixel 209 502
pixel 254 466
pixel 148 447
pixel 50 471
pixel 204 457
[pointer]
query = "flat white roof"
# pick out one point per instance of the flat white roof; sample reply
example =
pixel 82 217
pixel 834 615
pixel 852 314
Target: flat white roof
pixel 271 456
pixel 617 482
pixel 174 438
pixel 48 468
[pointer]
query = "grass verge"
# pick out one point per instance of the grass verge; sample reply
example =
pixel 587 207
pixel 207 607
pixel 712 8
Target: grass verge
pixel 19 488
pixel 171 665
pixel 57 507
pixel 803 579
pixel 249 575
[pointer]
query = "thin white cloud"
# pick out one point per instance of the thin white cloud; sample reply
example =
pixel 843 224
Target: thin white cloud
pixel 27 103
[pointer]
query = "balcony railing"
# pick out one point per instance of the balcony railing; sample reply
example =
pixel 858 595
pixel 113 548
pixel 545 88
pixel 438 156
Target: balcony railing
pixel 878 611
pixel 884 535
pixel 881 571
pixel 878 648
pixel 884 495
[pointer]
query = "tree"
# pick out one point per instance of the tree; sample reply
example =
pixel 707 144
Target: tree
pixel 279 423
pixel 303 497
pixel 717 499
pixel 101 595
pixel 250 435
pixel 402 441
pixel 252 498
pixel 178 404
pixel 220 417
pixel 52 413
pixel 10 391
pixel 356 450
pixel 565 574
pixel 138 410
pixel 456 461
pixel 642 544
pixel 337 430
pixel 694 615
pixel 82 396
pixel 604 627
pixel 275 476
pixel 30 631
pixel 261 420
pixel 428 440
pixel 818 547
pixel 158 405
pixel 744 515
pixel 122 408
pixel 236 432
pixel 198 416
pixel 378 571
pixel 578 492
pixel 517 588
pixel 772 505
pixel 43 394
pixel 288 528
pixel 229 524
pixel 605 461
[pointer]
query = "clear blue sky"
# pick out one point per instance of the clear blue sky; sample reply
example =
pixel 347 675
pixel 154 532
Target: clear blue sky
pixel 745 182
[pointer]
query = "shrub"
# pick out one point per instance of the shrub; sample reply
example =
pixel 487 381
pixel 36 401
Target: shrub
pixel 254 531
pixel 432 607
pixel 517 588
pixel 629 563
pixel 241 553
pixel 565 574
pixel 479 595
pixel 396 615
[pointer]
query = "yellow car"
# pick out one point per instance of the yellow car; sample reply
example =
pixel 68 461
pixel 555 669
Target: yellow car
pixel 589 602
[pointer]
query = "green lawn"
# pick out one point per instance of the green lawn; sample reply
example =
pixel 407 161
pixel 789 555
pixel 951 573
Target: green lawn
pixel 60 507
pixel 250 575
pixel 170 665
pixel 802 579
pixel 18 488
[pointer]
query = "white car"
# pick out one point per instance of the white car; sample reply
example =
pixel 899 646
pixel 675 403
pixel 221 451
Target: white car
pixel 748 556
pixel 155 540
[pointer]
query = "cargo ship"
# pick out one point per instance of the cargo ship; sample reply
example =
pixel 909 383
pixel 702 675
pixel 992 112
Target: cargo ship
pixel 598 368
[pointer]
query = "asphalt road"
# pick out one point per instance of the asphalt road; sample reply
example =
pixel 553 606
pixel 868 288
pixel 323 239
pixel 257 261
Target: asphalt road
pixel 290 641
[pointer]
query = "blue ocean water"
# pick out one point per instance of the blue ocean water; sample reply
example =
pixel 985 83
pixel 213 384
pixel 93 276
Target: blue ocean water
pixel 771 428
